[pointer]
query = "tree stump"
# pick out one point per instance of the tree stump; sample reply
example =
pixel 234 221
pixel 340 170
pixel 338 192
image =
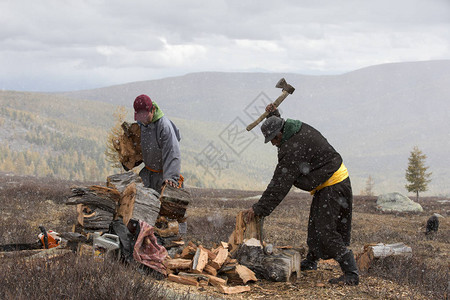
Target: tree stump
pixel 275 267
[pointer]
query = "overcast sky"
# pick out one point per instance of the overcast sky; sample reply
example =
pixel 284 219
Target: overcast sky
pixel 58 45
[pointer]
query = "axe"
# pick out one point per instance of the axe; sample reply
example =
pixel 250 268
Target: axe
pixel 287 89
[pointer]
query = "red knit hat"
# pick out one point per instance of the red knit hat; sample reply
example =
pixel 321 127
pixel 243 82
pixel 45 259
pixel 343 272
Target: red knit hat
pixel 142 106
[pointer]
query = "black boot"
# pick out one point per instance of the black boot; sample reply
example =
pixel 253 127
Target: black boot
pixel 309 263
pixel 348 266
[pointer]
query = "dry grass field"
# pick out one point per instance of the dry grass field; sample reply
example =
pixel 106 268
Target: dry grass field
pixel 27 202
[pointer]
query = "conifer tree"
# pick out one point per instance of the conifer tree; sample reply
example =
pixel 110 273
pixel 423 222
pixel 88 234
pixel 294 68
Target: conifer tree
pixel 416 173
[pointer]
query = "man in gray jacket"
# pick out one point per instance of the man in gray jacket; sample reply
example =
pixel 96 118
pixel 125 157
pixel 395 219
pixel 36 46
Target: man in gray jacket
pixel 160 145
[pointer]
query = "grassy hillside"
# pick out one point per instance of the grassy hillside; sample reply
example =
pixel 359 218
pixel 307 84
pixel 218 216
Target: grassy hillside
pixel 372 116
pixel 50 135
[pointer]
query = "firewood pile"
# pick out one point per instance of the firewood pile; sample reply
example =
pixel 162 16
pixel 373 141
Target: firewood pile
pixel 126 197
pixel 229 266
pixel 199 266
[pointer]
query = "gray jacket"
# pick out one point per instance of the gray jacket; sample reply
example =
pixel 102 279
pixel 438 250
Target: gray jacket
pixel 161 148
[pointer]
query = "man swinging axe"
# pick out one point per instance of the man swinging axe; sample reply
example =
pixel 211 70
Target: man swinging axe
pixel 307 161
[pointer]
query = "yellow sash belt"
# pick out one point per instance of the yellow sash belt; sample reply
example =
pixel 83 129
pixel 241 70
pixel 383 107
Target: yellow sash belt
pixel 340 175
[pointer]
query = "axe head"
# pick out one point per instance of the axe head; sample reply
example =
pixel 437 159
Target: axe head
pixel 282 84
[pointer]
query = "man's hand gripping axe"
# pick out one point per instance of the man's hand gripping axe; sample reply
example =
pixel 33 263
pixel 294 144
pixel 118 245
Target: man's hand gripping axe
pixel 287 89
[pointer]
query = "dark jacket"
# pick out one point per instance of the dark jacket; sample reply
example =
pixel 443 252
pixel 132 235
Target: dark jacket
pixel 305 160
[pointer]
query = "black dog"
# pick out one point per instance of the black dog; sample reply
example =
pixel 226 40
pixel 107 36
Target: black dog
pixel 432 225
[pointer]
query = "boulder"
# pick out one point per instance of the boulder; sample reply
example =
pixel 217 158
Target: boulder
pixel 396 202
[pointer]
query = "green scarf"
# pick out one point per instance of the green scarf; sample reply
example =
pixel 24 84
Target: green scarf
pixel 291 127
pixel 158 113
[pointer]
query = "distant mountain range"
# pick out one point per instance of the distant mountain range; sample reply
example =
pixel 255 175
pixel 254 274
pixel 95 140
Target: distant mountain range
pixel 372 116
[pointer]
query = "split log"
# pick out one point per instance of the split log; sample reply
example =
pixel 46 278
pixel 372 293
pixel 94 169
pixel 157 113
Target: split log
pixel 214 280
pixel 279 267
pixel 178 263
pixel 137 202
pixel 211 255
pixel 126 203
pixel 240 275
pixel 210 270
pixel 199 277
pixel 128 145
pixel 232 289
pixel 174 202
pixel 364 260
pixel 188 252
pixel 221 257
pixel 200 260
pixel 245 231
pixel 183 280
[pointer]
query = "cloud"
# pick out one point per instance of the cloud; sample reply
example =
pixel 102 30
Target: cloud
pixel 81 44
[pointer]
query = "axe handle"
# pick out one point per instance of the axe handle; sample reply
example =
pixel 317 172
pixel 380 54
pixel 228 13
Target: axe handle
pixel 264 115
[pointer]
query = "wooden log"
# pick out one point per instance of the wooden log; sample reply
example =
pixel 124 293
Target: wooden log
pixel 383 250
pixel 364 260
pixel 174 202
pixel 221 257
pixel 210 270
pixel 279 267
pixel 178 263
pixel 200 260
pixel 122 180
pixel 245 231
pixel 171 230
pixel 128 145
pixel 240 275
pixel 211 255
pixel 199 277
pixel 126 203
pixel 232 289
pixel 183 280
pixel 379 251
pixel 216 280
pixel 105 198
pixel 188 252
pixel 98 220
pixel 146 201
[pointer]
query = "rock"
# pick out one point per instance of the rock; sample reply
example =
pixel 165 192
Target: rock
pixel 396 202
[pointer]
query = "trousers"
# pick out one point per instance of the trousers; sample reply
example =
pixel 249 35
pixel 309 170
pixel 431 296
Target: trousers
pixel 330 219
